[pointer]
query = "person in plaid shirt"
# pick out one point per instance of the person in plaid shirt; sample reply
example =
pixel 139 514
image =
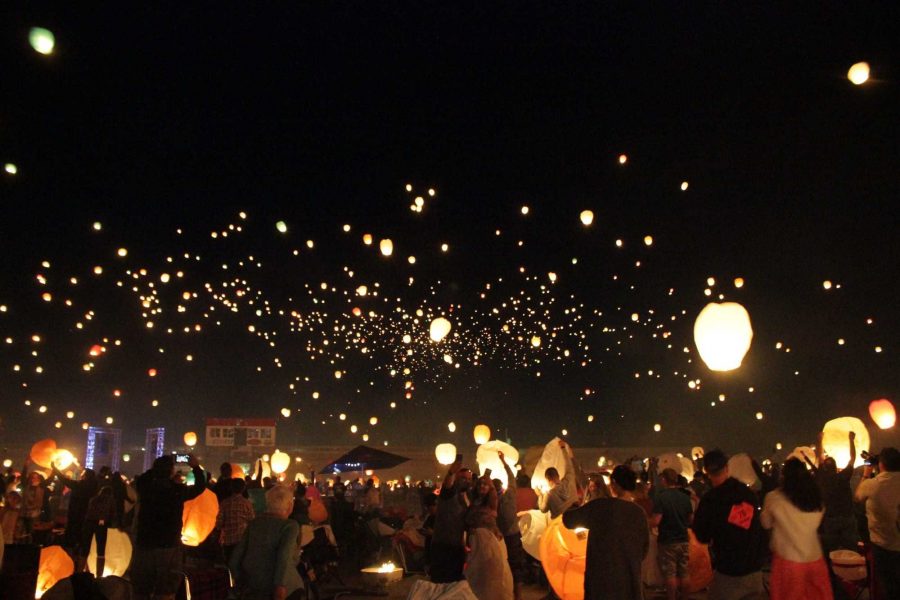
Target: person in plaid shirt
pixel 235 513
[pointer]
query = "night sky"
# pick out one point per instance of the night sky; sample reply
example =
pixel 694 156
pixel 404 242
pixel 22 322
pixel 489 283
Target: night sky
pixel 164 125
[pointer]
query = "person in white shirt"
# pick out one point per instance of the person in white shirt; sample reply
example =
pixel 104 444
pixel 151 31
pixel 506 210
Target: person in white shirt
pixel 793 513
pixel 882 497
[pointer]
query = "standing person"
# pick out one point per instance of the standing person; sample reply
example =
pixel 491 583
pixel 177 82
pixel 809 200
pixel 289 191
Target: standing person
pixel 81 493
pixel 838 528
pixel 793 512
pixel 882 497
pixel 157 559
pixel 672 514
pixel 264 563
pixel 508 524
pixel 222 486
pixel 97 520
pixel 727 519
pixel 619 540
pixel 563 492
pixel 448 550
pixel 235 513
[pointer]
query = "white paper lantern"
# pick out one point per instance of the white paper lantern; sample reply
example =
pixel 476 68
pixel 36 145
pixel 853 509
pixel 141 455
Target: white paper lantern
pixel 439 329
pixel 487 458
pixel 836 440
pixel 280 461
pixel 587 217
pixel 117 553
pixel 482 434
pixel 445 453
pixel 552 456
pixel 387 247
pixel 42 40
pixel 722 333
pixel 532 524
pixel 670 460
pixel 859 73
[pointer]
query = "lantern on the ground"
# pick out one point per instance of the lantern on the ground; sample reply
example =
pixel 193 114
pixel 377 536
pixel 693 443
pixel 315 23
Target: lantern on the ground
pixel 54 566
pixel 117 554
pixel 563 555
pixel 836 440
pixel 883 413
pixel 858 73
pixel 199 518
pixel 42 453
pixel 587 217
pixel 190 438
pixel 279 462
pixel 482 434
pixel 386 246
pixel 445 453
pixel 722 334
pixel 488 458
pixel 439 329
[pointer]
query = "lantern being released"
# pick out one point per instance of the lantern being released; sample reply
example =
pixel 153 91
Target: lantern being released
pixel 563 556
pixel 439 329
pixel 883 413
pixel 445 453
pixel 488 458
pixel 54 566
pixel 482 434
pixel 42 453
pixel 280 462
pixel 190 438
pixel 836 440
pixel 118 554
pixel 199 518
pixel 722 333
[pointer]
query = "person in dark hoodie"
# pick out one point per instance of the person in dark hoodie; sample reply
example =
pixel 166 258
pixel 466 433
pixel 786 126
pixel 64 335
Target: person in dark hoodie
pixel 727 519
pixel 158 553
pixel 82 490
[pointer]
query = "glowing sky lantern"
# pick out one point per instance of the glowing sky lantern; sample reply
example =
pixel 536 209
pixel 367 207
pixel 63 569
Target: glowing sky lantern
pixel 279 461
pixel 199 518
pixel 623 159
pixel 386 246
pixel 367 239
pixel 95 350
pixel 587 217
pixel 563 556
pixel 285 412
pixel 722 334
pixel 536 340
pixel 648 240
pixel 63 459
pixel 42 453
pixel 738 282
pixel 54 565
pixel 883 413
pixel 836 443
pixel 190 438
pixel 11 168
pixel 451 427
pixel 281 226
pixel 151 372
pixel 488 458
pixel 482 434
pixel 118 554
pixel 439 329
pixel 445 453
pixel 43 41
pixel 859 73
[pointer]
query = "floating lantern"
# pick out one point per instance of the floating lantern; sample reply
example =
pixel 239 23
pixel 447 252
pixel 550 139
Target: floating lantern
pixel 563 556
pixel 679 464
pixel 623 159
pixel 280 461
pixel 722 334
pixel 836 442
pixel 482 434
pixel 43 41
pixel 55 565
pixel 648 240
pixel 536 341
pixel 738 282
pixel 117 553
pixel 285 412
pixel 281 226
pixel 439 329
pixel 487 458
pixel 445 453
pixel 190 438
pixel 11 168
pixel 451 427
pixel 42 453
pixel 367 239
pixel 199 518
pixel 151 372
pixel 858 73
pixel 587 217
pixel 883 413
pixel 386 246
pixel 805 454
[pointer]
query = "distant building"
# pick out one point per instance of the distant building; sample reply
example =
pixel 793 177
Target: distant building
pixel 240 433
pixel 154 445
pixel 103 448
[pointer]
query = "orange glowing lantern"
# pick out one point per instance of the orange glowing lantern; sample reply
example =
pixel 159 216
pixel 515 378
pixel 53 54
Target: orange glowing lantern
pixel 199 518
pixel 95 350
pixel 42 453
pixel 699 565
pixel 190 438
pixel 563 555
pixel 883 413
pixel 54 566
pixel 151 372
pixel 317 511
pixel 237 472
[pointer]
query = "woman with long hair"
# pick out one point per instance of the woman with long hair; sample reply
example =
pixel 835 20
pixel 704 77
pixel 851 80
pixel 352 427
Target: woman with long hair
pixel 793 512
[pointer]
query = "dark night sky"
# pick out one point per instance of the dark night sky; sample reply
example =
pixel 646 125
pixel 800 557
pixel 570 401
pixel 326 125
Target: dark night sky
pixel 149 120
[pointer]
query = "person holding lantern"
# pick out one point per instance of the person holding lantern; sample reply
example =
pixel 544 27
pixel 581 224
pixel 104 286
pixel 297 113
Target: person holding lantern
pixel 563 492
pixel 157 557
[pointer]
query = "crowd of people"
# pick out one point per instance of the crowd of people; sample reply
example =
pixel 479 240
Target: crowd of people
pixel 467 528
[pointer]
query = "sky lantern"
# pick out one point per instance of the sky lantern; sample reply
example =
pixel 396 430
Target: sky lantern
pixel 118 554
pixel 190 438
pixel 587 217
pixel 367 239
pixel 439 329
pixel 199 518
pixel 63 459
pixel 536 341
pixel 488 458
pixel 42 453
pixel 386 246
pixel 11 168
pixel 451 427
pixel 623 159
pixel 836 442
pixel 738 282
pixel 722 334
pixel 281 226
pixel 883 413
pixel 648 240
pixel 95 350
pixel 43 41
pixel 482 434
pixel 280 461
pixel 54 565
pixel 858 73
pixel 285 412
pixel 563 556
pixel 151 372
pixel 445 453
